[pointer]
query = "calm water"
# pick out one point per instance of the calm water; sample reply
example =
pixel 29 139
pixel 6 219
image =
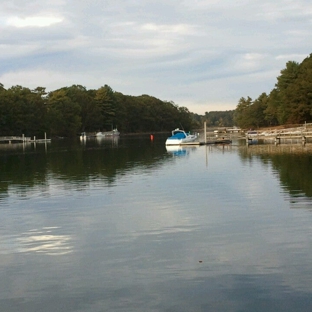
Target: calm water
pixel 128 226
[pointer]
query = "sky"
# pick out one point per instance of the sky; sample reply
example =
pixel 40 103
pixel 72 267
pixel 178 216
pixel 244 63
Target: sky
pixel 200 54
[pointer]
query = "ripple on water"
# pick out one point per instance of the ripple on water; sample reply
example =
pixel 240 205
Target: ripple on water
pixel 46 240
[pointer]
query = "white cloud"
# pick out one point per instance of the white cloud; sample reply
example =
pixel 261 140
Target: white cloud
pixel 48 78
pixel 197 52
pixel 178 29
pixel 33 21
pixel 292 57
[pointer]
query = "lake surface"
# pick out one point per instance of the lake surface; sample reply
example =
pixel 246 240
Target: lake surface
pixel 125 225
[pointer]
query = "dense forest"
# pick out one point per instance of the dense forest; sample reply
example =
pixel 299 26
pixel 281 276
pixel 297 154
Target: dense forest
pixel 71 110
pixel 218 118
pixel 289 102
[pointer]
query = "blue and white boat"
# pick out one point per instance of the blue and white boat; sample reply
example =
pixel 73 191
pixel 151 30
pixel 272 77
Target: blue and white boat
pixel 179 137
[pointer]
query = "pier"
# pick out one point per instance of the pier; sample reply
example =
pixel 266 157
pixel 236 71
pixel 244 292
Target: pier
pixel 299 134
pixel 23 139
pixel 209 138
pixel 14 139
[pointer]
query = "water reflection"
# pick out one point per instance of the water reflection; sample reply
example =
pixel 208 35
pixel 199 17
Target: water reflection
pixel 292 164
pixel 177 150
pixel 77 162
pixel 46 241
pixel 131 231
pixel 100 140
pixel 106 159
pixel 27 147
pixel 113 140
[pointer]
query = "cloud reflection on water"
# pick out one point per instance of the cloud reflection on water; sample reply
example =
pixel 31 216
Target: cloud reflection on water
pixel 44 241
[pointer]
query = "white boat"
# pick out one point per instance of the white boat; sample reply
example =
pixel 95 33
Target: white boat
pixel 179 137
pixel 83 136
pixel 114 132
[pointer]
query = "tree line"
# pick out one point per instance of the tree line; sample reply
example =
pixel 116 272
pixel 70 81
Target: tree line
pixel 218 118
pixel 289 102
pixel 71 110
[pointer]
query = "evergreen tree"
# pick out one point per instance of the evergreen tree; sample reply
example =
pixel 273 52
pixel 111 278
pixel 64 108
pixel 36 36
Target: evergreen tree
pixel 64 114
pixel 105 100
pixel 242 113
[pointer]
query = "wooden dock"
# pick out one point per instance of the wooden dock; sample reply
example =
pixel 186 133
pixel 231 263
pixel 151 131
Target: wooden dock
pixel 209 142
pixel 22 139
pixel 216 142
pixel 300 134
pixel 14 139
pixel 190 143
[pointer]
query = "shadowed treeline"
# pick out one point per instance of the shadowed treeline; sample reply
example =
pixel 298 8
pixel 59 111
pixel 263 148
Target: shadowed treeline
pixel 76 164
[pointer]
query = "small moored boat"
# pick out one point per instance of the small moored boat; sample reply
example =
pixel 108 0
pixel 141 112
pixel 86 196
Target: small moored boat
pixel 179 137
pixel 114 132
pixel 83 136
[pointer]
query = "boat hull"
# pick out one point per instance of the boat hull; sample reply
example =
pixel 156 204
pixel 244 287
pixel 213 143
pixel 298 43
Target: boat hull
pixel 180 137
pixel 175 141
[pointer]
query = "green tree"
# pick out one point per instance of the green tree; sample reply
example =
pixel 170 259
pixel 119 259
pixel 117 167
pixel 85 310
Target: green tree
pixel 257 111
pixel 219 118
pixel 299 94
pixel 22 111
pixel 242 113
pixel 64 114
pixel 272 111
pixel 105 99
pixel 71 110
pixel 285 86
pixel 90 111
pixel 289 102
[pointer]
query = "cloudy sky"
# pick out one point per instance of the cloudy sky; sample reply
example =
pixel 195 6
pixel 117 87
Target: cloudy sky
pixel 202 54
